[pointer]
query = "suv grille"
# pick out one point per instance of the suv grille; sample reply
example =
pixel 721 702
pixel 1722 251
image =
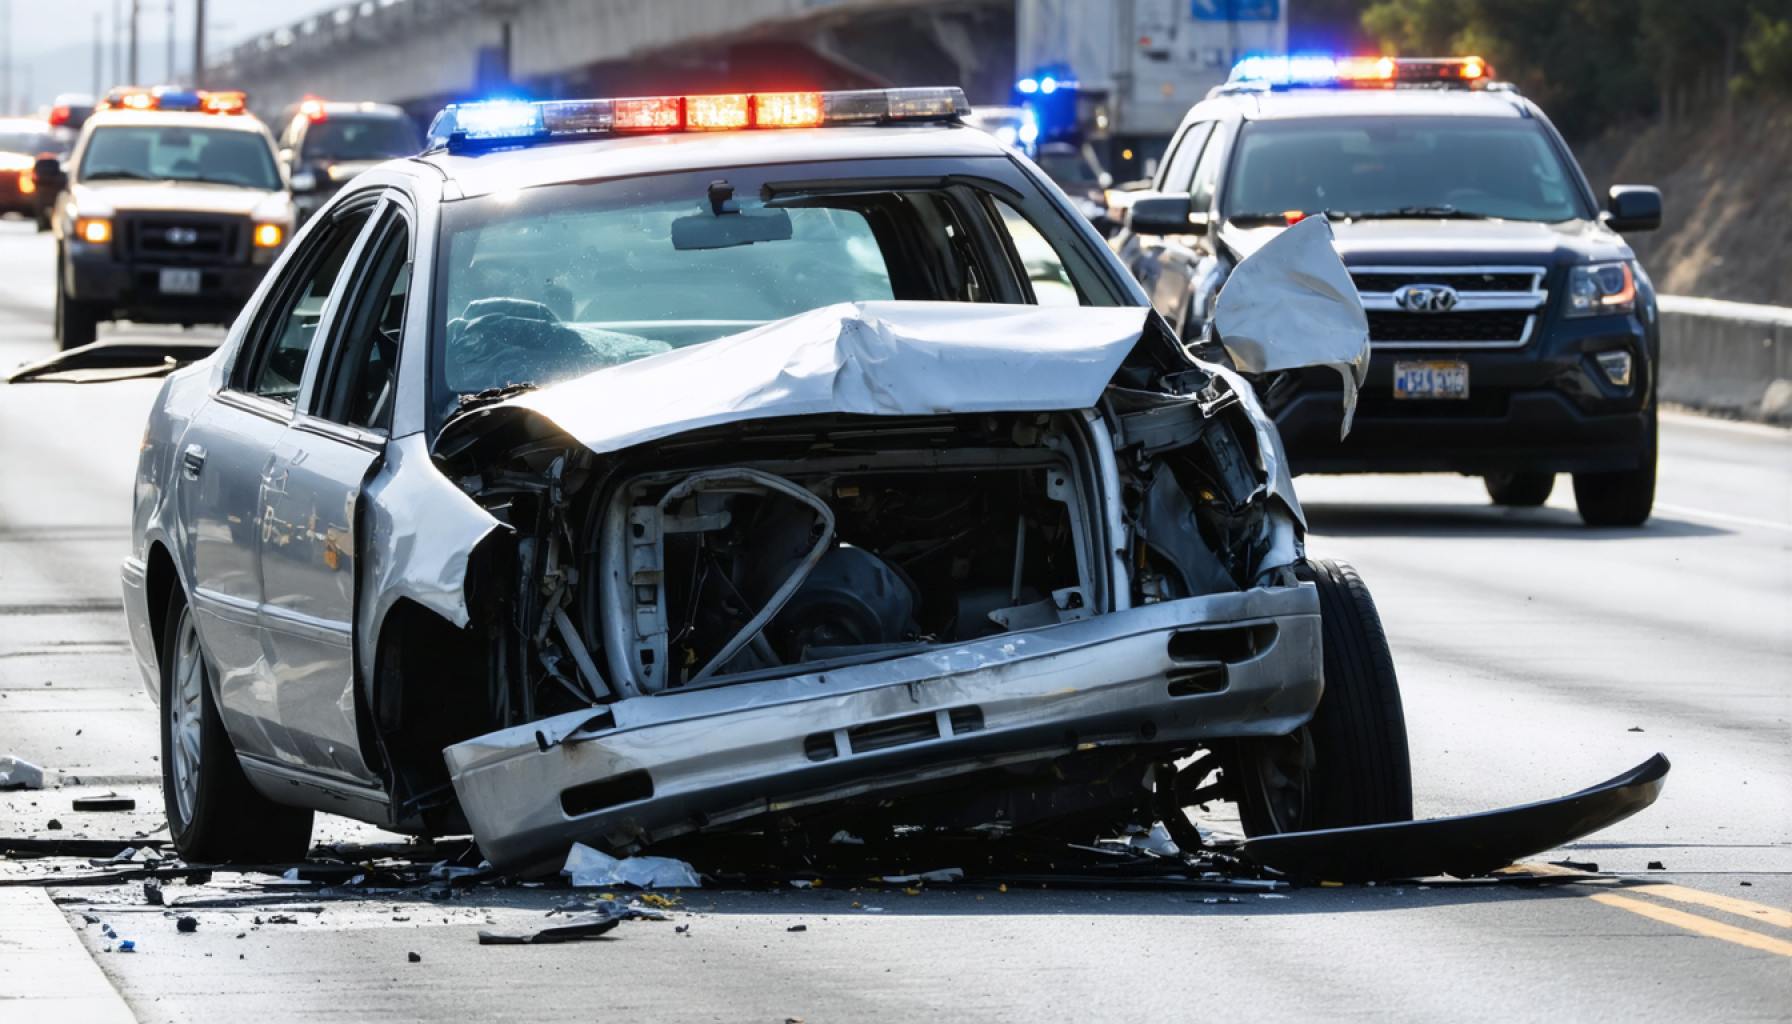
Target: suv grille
pixel 1474 281
pixel 1510 327
pixel 183 237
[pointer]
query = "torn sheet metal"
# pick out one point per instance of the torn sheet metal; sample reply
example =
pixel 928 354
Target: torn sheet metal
pixel 1463 846
pixel 866 358
pixel 421 529
pixel 1292 304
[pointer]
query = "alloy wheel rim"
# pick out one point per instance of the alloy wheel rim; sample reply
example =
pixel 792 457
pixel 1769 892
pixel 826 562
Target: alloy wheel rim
pixel 185 715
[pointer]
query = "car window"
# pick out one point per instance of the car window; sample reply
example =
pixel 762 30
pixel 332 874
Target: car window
pixel 1503 167
pixel 361 137
pixel 290 327
pixel 1207 172
pixel 1044 267
pixel 360 370
pixel 1179 173
pixel 218 156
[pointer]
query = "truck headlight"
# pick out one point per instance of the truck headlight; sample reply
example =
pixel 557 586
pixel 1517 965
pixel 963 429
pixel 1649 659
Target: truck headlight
pixel 1601 289
pixel 93 230
pixel 269 236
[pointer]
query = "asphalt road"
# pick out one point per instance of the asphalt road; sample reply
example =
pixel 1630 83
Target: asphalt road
pixel 1536 657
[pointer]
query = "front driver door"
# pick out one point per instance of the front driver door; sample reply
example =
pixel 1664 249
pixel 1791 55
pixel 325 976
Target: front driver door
pixel 313 488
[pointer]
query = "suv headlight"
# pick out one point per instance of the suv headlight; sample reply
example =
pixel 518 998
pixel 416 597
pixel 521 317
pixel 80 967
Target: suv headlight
pixel 1601 289
pixel 93 230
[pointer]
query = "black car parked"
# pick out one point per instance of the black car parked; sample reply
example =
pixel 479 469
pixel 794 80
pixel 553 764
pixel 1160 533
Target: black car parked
pixel 1514 333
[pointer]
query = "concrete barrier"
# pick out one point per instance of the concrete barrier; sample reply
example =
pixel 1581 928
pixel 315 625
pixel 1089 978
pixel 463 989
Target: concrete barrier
pixel 1730 357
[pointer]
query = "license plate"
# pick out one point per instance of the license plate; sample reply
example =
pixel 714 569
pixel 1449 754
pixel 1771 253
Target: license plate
pixel 180 282
pixel 1431 379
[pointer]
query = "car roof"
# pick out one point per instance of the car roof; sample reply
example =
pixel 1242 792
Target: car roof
pixel 177 119
pixel 340 107
pixel 626 156
pixel 1263 105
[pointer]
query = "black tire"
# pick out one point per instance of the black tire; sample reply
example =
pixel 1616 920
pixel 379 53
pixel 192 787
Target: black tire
pixel 223 820
pixel 1624 498
pixel 77 322
pixel 1349 765
pixel 1520 490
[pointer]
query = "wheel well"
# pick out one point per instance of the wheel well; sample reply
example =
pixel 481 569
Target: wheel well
pixel 160 579
pixel 430 690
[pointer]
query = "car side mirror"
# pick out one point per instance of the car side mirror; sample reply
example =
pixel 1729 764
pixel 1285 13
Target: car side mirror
pixel 48 172
pixel 1633 208
pixel 1165 215
pixel 304 181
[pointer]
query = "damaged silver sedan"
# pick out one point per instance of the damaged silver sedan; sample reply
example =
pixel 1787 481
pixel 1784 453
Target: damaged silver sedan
pixel 580 484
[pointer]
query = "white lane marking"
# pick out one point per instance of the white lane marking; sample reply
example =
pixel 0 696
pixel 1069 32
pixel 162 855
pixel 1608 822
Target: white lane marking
pixel 1693 419
pixel 1722 517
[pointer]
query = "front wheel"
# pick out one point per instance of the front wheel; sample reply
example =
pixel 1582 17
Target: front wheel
pixel 1519 490
pixel 1623 498
pixel 214 815
pixel 1349 765
pixel 77 322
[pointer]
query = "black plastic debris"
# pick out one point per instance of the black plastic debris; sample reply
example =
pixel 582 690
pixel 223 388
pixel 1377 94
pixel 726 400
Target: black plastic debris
pixel 187 925
pixel 797 928
pixel 152 893
pixel 109 802
pixel 414 957
pixel 601 917
pixel 1575 865
pixel 1465 846
pixel 1656 865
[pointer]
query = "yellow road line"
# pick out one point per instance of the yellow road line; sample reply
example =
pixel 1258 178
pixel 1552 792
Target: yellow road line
pixel 1695 924
pixel 1758 912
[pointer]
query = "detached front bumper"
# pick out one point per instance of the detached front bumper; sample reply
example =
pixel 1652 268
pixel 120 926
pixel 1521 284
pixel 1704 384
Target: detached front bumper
pixel 1165 676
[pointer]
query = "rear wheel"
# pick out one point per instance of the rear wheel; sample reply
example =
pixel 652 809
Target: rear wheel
pixel 1624 498
pixel 1520 490
pixel 214 815
pixel 77 322
pixel 1349 765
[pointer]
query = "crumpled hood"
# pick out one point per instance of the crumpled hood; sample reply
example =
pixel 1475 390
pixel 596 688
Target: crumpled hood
pixel 127 196
pixel 1428 242
pixel 865 358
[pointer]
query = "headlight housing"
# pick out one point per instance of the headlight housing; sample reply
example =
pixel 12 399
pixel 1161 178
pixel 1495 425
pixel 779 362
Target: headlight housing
pixel 1601 289
pixel 269 236
pixel 94 230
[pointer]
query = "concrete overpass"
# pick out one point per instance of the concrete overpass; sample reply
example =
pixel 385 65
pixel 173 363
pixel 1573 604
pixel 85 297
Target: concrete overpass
pixel 422 53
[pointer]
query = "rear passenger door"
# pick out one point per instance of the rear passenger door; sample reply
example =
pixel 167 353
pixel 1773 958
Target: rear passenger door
pixel 313 486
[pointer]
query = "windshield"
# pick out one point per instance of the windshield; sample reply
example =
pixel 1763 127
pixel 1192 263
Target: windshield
pixel 1067 166
pixel 1451 166
pixel 27 142
pixel 366 137
pixel 554 282
pixel 219 156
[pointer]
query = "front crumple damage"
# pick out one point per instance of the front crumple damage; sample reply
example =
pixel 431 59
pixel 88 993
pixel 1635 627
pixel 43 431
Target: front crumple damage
pixel 1292 304
pixel 849 555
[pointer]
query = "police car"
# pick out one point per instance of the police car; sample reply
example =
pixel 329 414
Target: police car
pixel 325 143
pixel 172 206
pixel 626 468
pixel 1514 332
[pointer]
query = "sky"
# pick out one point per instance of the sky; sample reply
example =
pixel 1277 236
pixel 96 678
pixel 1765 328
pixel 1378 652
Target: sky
pixel 52 42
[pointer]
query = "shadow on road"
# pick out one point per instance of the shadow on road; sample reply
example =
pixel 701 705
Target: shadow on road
pixel 1441 520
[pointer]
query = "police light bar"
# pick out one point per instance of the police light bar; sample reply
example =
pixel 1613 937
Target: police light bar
pixel 1324 71
pixel 468 126
pixel 173 98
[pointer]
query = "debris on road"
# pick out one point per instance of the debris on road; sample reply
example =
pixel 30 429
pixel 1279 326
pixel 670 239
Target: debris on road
pixel 187 925
pixel 414 957
pixel 17 774
pixel 1463 846
pixel 1656 865
pixel 797 928
pixel 587 868
pixel 584 925
pixel 108 802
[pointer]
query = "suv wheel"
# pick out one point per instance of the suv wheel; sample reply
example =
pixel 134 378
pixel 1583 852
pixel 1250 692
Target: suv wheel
pixel 1520 490
pixel 1349 765
pixel 1624 498
pixel 77 322
pixel 214 815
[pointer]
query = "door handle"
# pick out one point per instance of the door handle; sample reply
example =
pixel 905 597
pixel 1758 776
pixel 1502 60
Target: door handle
pixel 192 460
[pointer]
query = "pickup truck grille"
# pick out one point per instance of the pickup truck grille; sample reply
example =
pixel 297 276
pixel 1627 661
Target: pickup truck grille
pixel 184 238
pixel 1481 307
pixel 1510 327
